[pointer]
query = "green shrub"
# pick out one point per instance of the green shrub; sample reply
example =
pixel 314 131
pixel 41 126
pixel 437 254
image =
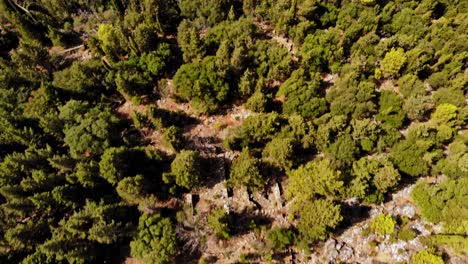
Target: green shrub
pixel 279 239
pixel 318 219
pixel 382 225
pixel 186 169
pixel 394 60
pixel 156 240
pixel 426 257
pixel 245 172
pixel 391 109
pixel 219 223
pixel 257 102
pixel 280 153
pixel 173 138
pixel 406 234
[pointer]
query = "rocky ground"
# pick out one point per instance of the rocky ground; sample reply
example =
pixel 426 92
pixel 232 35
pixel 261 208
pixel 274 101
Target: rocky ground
pixel 353 245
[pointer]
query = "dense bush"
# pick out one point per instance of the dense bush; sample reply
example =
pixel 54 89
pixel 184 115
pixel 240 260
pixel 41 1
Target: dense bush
pixel 382 225
pixel 245 171
pixel 186 169
pixel 280 239
pixel 219 222
pixel 317 219
pixel 426 257
pixel 156 240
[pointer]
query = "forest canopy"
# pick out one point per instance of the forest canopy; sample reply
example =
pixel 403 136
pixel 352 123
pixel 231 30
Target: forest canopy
pixel 128 126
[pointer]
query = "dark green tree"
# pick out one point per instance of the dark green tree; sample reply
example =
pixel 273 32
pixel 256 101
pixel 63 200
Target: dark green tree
pixel 245 172
pixel 280 153
pixel 156 241
pixel 186 169
pixel 219 223
pixel 92 134
pixel 318 218
pixel 390 111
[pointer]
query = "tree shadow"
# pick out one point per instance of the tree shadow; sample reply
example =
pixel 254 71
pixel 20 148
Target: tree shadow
pixel 246 221
pixel 355 213
pixel 190 258
pixel 215 170
pixel 169 118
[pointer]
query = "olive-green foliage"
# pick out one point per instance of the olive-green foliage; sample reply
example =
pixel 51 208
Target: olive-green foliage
pixel 247 83
pixel 119 162
pixel 186 169
pixel 132 189
pixel 219 223
pixel 245 172
pixel 173 137
pixel 343 148
pixel 210 12
pixel 273 61
pixel 350 95
pixel 406 234
pixel 416 108
pixel 356 19
pixel 91 134
pixel 317 219
pixel 200 83
pixel 370 173
pixel 298 129
pixel 444 203
pixel 360 183
pixel 322 51
pixel 365 133
pixel 449 96
pixel 109 37
pixel 257 102
pixel 139 120
pixel 79 238
pixel 302 95
pixel 31 25
pixel 410 85
pixel 87 174
pixel 454 165
pixel 155 62
pixel 386 178
pixel 382 225
pixel 280 153
pixel 317 177
pixel 279 239
pixel 232 33
pixel 256 130
pixel 408 156
pixel 156 240
pixel 394 60
pixel 130 81
pixel 391 112
pixel 328 127
pixel 113 165
pixel 445 114
pixel 81 78
pixel 425 256
pixel 189 41
pixel 32 60
pixel 73 111
pixel 457 243
pixel 19 240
